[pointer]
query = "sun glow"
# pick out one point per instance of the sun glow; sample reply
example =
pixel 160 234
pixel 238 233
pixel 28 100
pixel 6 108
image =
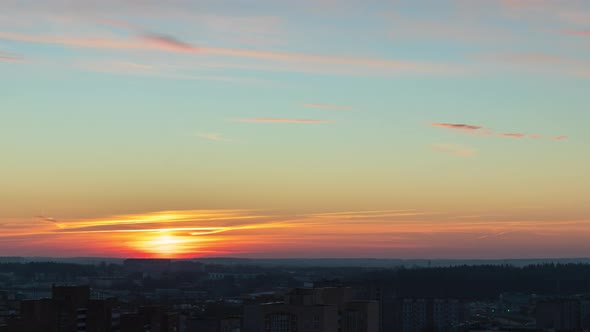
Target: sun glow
pixel 164 244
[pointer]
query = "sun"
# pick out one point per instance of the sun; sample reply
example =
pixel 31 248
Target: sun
pixel 164 244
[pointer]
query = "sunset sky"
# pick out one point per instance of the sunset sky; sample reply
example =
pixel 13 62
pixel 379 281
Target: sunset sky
pixel 295 128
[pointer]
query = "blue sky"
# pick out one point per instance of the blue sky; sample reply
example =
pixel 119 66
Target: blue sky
pixel 461 107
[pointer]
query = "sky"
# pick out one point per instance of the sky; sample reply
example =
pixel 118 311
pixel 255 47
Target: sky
pixel 309 128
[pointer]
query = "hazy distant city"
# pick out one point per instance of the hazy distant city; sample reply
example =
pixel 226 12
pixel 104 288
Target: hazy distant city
pixel 303 295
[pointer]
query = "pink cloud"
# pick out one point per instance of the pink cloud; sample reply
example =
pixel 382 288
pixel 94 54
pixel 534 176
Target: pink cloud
pixel 170 44
pixel 456 126
pixel 577 33
pixel 11 58
pixel 559 138
pixel 282 120
pixel 512 135
pixel 476 131
pixel 328 106
pixel 5 56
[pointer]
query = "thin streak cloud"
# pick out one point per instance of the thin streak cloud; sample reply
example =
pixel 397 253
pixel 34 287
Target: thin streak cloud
pixel 559 138
pixel 512 135
pixel 168 43
pixel 48 219
pixel 11 59
pixel 456 126
pixel 6 56
pixel 476 131
pixel 154 41
pixel 577 33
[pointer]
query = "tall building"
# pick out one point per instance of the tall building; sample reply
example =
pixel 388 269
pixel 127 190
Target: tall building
pixel 149 319
pixel 423 315
pixel 360 316
pixel 388 304
pixel 66 300
pixel 313 310
pixel 228 324
pixel 69 310
pixel 281 317
pixel 559 314
pixel 98 316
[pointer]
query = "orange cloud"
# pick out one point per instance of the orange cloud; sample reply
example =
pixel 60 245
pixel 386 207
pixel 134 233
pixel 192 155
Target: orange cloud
pixel 194 233
pixel 282 120
pixel 48 219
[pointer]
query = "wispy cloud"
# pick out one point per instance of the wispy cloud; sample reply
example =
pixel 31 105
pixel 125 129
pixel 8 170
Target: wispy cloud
pixel 160 42
pixel 455 149
pixel 51 220
pixel 11 58
pixel 327 106
pixel 577 33
pixel 214 137
pixel 48 219
pixel 512 135
pixel 5 56
pixel 559 138
pixel 191 233
pixel 474 130
pixel 282 120
pixel 168 43
pixel 456 126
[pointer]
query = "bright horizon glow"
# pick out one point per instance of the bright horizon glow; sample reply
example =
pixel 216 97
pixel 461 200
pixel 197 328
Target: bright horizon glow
pixel 163 245
pixel 279 128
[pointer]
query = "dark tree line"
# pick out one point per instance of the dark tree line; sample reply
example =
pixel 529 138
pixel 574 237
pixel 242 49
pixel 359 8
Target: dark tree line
pixel 484 281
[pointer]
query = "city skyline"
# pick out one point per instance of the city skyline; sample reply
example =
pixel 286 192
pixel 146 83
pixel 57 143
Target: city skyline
pixel 387 129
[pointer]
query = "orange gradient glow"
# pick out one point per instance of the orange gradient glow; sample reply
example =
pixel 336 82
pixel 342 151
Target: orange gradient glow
pixel 378 233
pixel 164 244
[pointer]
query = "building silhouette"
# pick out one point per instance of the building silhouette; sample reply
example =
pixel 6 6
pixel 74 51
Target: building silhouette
pixel 330 309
